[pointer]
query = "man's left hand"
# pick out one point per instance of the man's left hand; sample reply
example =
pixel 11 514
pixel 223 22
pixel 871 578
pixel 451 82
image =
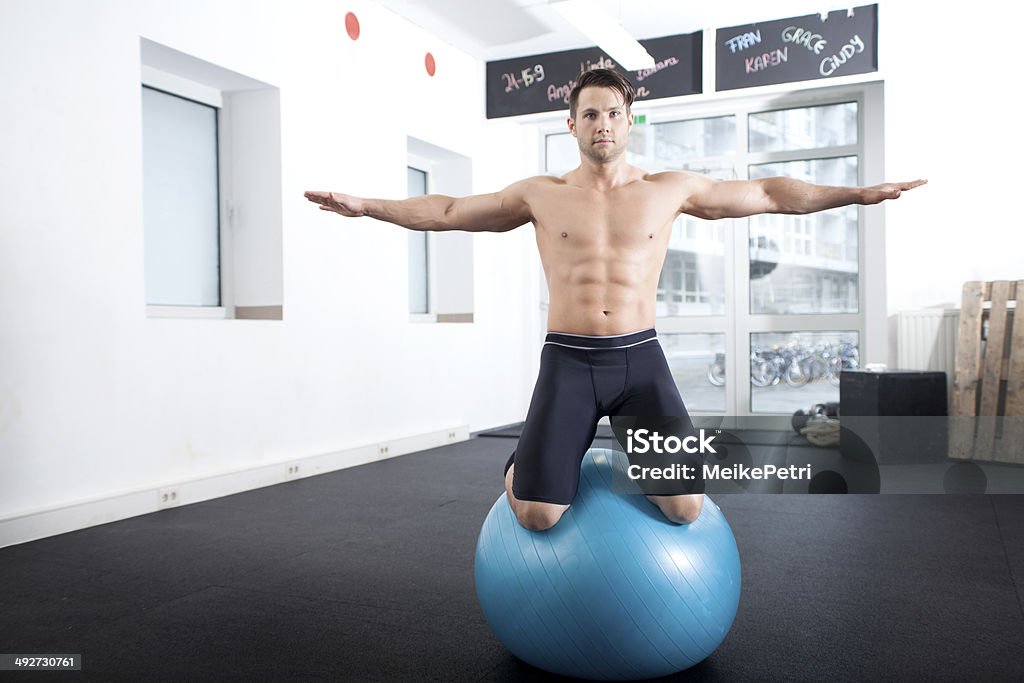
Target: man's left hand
pixel 879 193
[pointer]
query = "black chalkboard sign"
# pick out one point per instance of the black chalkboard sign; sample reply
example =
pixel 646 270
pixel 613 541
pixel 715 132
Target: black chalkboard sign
pixel 797 49
pixel 527 85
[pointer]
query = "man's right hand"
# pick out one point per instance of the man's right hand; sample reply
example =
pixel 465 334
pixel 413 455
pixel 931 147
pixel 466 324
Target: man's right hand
pixel 343 204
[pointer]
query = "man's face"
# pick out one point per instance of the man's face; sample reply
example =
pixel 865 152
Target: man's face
pixel 602 124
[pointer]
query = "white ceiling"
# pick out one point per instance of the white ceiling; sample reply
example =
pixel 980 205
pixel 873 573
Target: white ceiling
pixel 500 29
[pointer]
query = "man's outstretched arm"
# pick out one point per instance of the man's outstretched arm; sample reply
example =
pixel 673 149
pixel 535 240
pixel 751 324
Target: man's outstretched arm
pixel 495 212
pixel 706 198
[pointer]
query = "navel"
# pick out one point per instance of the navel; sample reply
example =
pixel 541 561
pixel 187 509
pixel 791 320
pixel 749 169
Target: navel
pixel 651 236
pixel 565 234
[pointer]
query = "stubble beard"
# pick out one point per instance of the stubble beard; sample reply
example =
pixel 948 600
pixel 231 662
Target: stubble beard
pixel 599 154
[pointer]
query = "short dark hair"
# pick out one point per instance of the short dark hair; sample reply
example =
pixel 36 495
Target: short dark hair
pixel 601 78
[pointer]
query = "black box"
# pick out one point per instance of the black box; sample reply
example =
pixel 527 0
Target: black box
pixel 893 416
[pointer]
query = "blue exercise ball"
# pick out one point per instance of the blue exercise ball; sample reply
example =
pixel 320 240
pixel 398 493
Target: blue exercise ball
pixel 613 591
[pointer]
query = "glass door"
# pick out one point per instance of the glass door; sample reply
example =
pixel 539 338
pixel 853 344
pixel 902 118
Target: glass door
pixel 757 315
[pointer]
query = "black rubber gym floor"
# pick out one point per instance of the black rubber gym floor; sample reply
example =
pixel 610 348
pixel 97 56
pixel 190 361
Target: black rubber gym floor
pixel 366 574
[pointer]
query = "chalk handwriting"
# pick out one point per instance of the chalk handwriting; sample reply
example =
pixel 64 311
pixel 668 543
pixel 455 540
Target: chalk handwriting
pixel 526 78
pixel 743 41
pixel 768 59
pixel 664 64
pixel 560 92
pixel 603 63
pixel 801 36
pixel 830 64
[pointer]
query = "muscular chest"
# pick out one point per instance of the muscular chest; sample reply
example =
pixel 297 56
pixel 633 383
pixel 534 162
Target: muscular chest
pixel 624 219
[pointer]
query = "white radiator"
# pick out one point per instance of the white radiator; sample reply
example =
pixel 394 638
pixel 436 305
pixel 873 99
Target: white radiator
pixel 926 340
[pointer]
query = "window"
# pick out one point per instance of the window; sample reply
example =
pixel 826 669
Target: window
pixel 820 245
pixel 440 262
pixel 419 261
pixel 768 288
pixel 211 189
pixel 181 200
pixel 561 154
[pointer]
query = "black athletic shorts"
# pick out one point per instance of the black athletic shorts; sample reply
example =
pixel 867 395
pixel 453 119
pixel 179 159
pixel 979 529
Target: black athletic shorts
pixel 581 380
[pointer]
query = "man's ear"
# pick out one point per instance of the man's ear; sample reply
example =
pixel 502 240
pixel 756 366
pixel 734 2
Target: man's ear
pixel 572 126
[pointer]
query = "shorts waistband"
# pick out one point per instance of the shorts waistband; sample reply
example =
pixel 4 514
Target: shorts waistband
pixel 587 342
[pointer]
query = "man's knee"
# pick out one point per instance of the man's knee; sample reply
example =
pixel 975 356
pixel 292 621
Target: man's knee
pixel 532 515
pixel 538 516
pixel 680 509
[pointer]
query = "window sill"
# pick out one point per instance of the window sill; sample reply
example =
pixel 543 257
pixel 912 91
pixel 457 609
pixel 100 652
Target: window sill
pixel 210 312
pixel 440 317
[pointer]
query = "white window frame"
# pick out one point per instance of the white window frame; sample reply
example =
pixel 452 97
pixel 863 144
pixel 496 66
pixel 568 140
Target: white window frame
pixel 870 320
pixel 421 163
pixel 178 86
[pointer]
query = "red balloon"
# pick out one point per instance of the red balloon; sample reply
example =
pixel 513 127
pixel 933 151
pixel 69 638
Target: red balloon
pixel 352 26
pixel 429 63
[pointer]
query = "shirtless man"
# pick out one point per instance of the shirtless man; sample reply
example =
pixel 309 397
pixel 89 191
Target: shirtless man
pixel 602 232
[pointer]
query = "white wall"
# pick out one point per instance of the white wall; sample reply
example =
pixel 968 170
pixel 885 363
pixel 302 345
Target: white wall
pixel 97 400
pixel 951 87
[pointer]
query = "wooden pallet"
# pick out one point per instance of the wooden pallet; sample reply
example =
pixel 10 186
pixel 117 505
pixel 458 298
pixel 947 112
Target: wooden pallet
pixel 988 385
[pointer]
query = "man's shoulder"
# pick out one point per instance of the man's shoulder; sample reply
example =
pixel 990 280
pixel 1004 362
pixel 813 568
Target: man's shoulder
pixel 538 182
pixel 546 180
pixel 672 177
pixel 534 187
